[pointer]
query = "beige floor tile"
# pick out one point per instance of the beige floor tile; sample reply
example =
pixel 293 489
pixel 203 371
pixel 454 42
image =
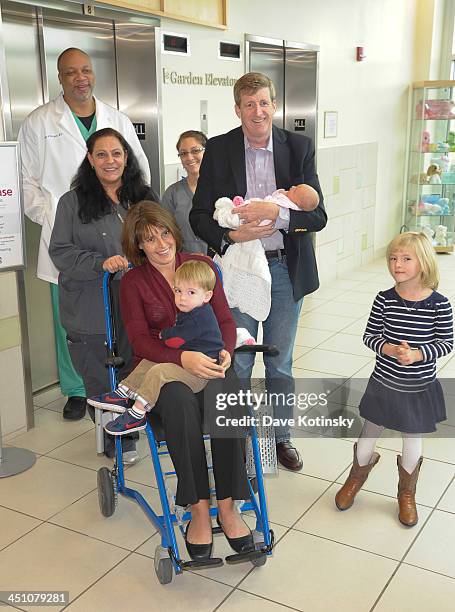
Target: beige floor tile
pixel 356 328
pixel 415 590
pixel 357 297
pixel 310 304
pixel 240 601
pixel 290 494
pixel 57 405
pixel 326 381
pixel 344 283
pixel 228 574
pixel 143 472
pixel 314 320
pixel 390 440
pixel 323 457
pixel 351 392
pixel 360 275
pixel 258 369
pixel 48 487
pixel 317 575
pixel 128 527
pixel 343 309
pixel 443 373
pixel 433 479
pixel 440 445
pixel 434 547
pixel 299 351
pixel 371 524
pixel 344 343
pixel 54 559
pixel 333 363
pixel 365 372
pixel 48 396
pixel 327 292
pixel 372 287
pixel 143 591
pixel 311 337
pixel 14 525
pixel 447 503
pixel 51 431
pixel 317 422
pixel 82 451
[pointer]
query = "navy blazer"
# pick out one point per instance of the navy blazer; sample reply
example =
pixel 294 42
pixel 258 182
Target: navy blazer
pixel 223 173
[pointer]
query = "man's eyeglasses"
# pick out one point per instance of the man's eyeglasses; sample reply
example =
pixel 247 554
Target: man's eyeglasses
pixel 194 151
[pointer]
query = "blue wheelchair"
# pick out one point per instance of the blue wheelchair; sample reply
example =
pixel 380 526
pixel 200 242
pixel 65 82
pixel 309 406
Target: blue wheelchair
pixel 111 482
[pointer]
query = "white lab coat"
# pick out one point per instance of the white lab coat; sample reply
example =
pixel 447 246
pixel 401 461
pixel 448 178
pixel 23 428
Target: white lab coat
pixel 52 148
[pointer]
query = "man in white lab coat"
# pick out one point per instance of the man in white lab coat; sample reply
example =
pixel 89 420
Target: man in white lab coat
pixel 52 140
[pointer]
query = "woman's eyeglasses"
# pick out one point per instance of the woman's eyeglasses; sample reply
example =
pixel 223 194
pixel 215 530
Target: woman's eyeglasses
pixel 194 151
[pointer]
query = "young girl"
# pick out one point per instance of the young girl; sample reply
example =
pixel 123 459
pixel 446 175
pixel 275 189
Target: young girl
pixel 409 327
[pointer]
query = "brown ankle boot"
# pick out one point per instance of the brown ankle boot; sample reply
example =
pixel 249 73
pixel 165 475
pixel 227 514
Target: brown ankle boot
pixel 406 494
pixel 357 476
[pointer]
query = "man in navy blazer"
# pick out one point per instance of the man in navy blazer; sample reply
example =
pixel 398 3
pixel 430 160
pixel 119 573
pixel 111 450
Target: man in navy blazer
pixel 253 161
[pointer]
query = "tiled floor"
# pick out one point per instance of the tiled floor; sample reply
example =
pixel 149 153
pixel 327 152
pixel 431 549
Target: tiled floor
pixel 53 537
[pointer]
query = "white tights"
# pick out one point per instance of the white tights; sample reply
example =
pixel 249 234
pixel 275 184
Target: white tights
pixel 412 446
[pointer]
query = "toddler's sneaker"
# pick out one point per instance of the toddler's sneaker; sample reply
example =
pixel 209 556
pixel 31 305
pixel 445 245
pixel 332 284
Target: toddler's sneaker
pixel 114 401
pixel 126 423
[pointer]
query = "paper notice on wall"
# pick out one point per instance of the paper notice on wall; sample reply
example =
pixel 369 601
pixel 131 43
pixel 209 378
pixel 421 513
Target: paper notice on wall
pixel 11 223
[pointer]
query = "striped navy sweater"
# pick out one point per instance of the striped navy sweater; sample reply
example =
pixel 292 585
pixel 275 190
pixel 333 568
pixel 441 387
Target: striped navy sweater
pixel 427 325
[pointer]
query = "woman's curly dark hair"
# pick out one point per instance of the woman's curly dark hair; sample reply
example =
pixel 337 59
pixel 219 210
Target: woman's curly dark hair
pixel 93 200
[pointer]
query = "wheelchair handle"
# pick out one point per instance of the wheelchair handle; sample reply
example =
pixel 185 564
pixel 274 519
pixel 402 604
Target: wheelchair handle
pixel 267 349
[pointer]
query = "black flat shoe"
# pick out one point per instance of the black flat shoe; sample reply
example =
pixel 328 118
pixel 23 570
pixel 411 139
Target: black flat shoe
pixel 74 409
pixel 198 552
pixel 239 545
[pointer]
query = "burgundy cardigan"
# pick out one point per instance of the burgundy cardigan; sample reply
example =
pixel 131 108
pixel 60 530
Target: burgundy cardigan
pixel 148 306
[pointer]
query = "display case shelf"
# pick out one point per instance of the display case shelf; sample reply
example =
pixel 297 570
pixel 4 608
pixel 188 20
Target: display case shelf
pixel 429 202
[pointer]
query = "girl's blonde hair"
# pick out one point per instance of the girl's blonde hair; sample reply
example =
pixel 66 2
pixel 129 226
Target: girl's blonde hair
pixel 197 272
pixel 420 244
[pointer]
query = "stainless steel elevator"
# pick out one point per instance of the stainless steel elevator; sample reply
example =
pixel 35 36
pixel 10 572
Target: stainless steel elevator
pixel 126 64
pixel 293 67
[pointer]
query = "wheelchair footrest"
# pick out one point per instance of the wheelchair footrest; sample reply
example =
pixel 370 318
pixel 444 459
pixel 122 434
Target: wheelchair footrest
pixel 245 556
pixel 207 563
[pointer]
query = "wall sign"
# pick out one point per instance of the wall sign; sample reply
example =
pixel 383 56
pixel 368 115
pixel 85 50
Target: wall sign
pixel 140 130
pixel 12 256
pixel 299 125
pixel 330 124
pixel 172 77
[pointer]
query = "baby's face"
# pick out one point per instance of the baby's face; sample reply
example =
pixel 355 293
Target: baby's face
pixel 189 296
pixel 297 194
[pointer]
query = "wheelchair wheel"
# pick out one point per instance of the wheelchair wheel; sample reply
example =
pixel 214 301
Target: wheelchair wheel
pixel 163 567
pixel 106 492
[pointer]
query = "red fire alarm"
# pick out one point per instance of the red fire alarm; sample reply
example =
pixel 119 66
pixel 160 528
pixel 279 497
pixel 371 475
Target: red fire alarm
pixel 360 54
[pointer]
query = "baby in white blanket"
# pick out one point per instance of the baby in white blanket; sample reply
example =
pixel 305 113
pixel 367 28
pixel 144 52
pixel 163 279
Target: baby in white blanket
pixel 246 274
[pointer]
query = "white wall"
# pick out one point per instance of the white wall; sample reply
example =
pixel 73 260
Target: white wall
pixel 370 96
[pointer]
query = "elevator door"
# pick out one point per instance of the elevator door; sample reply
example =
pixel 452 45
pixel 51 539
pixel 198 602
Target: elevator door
pixel 95 36
pixel 293 67
pixel 34 37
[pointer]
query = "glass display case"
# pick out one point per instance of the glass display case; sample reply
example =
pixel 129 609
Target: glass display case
pixel 430 188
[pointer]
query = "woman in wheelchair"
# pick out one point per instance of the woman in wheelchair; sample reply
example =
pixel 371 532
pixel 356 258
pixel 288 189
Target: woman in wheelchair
pixel 152 241
pixel 86 242
pixel 196 329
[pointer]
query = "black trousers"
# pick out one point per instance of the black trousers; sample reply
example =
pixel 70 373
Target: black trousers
pixel 88 354
pixel 183 418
